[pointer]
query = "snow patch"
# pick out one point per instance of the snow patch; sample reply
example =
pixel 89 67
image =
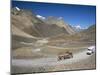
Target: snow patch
pixel 41 17
pixel 17 8
pixel 78 27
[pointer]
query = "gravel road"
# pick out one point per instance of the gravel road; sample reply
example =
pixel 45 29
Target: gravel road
pixel 50 61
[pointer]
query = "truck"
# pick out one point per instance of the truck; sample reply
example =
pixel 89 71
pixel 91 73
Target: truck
pixel 66 55
pixel 91 50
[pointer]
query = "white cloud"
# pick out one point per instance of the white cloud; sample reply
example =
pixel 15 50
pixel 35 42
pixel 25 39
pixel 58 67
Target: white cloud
pixel 39 16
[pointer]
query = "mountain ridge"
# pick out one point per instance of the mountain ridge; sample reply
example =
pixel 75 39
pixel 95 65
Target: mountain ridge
pixel 29 23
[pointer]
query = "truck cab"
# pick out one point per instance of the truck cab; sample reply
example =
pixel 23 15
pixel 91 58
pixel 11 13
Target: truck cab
pixel 91 50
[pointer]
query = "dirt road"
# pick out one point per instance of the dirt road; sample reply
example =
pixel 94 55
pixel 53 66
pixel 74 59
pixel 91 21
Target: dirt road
pixel 50 61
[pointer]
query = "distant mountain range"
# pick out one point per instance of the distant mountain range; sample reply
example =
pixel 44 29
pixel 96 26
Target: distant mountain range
pixel 78 29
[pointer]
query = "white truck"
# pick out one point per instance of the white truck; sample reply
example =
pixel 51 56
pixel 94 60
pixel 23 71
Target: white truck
pixel 91 50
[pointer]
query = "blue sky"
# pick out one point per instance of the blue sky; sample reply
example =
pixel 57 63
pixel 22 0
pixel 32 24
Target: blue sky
pixel 75 15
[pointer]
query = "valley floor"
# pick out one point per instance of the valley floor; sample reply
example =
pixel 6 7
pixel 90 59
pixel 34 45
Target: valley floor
pixel 79 61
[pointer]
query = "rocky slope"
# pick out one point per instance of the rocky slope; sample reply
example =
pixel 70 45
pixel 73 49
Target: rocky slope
pixel 60 23
pixel 89 34
pixel 28 22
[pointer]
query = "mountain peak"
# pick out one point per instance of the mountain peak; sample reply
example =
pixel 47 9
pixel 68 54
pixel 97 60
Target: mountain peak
pixel 60 23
